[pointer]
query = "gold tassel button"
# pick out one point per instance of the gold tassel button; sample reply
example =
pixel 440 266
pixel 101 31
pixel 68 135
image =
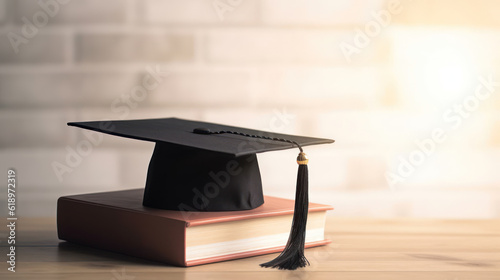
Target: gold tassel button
pixel 302 159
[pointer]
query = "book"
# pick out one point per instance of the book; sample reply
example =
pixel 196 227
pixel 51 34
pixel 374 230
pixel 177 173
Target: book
pixel 117 221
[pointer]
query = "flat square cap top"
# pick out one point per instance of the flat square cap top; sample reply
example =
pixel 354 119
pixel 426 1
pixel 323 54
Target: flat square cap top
pixel 181 132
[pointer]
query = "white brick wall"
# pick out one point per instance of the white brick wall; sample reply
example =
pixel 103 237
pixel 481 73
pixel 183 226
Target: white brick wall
pixel 35 171
pixel 319 12
pixel 274 65
pixel 133 166
pixel 289 47
pixel 327 87
pixel 34 128
pixel 445 170
pixel 44 48
pixel 205 88
pixel 88 88
pixel 198 12
pixel 451 12
pixel 137 47
pixel 74 12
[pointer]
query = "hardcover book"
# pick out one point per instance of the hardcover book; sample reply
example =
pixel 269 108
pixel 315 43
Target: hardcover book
pixel 117 221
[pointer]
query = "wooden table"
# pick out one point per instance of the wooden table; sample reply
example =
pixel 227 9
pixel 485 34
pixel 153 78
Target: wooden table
pixel 361 249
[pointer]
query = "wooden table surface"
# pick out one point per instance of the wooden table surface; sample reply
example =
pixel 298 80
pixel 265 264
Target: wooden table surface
pixel 361 249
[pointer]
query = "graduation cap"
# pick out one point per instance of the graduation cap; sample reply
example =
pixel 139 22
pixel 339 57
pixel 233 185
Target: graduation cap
pixel 200 166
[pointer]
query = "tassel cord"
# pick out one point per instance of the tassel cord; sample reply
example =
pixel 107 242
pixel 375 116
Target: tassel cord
pixel 260 137
pixel 292 256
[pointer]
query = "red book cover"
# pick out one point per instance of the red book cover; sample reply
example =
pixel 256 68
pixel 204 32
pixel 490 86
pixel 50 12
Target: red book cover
pixel 117 221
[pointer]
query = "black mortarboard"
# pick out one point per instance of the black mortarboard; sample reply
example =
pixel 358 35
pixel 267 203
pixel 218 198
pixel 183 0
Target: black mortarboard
pixel 199 166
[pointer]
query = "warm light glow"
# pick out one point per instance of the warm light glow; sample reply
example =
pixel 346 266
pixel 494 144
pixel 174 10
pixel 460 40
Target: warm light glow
pixel 446 72
pixel 434 68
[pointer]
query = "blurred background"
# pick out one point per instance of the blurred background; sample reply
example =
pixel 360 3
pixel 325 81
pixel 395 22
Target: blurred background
pixel 410 91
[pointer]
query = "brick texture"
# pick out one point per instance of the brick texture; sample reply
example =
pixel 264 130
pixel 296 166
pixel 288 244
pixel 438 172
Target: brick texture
pixel 448 12
pixel 34 128
pixel 319 12
pixel 36 167
pixel 40 49
pixel 250 45
pixel 123 48
pixel 218 88
pixel 200 12
pixel 327 87
pixel 88 88
pixel 134 167
pixel 74 12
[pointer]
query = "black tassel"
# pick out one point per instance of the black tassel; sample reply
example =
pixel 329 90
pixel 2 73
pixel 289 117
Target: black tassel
pixel 292 256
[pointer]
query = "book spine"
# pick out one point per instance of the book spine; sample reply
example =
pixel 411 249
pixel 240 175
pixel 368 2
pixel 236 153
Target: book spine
pixel 120 230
